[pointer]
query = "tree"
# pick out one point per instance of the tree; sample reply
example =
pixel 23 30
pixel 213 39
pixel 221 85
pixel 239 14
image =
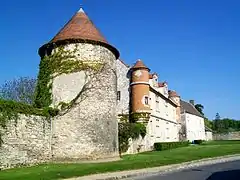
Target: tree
pixel 208 123
pixel 219 124
pixel 20 90
pixel 217 117
pixel 200 108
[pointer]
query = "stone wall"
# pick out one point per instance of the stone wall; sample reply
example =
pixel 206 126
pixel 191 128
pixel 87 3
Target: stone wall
pixel 139 145
pixel 208 135
pixel 25 141
pixel 123 87
pixel 89 130
pixel 227 136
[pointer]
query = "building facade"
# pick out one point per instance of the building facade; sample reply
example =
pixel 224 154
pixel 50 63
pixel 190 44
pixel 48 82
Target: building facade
pixel 142 96
pixel 193 121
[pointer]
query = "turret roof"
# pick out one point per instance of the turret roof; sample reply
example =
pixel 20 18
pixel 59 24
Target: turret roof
pixel 140 64
pixel 79 27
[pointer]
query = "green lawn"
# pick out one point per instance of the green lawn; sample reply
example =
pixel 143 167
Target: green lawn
pixel 222 142
pixel 143 160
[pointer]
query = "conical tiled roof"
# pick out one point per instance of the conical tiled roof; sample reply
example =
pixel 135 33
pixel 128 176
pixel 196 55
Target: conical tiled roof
pixel 79 29
pixel 140 65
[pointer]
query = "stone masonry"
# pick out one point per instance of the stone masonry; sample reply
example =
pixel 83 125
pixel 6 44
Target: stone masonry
pixel 89 130
pixel 26 141
pixel 123 87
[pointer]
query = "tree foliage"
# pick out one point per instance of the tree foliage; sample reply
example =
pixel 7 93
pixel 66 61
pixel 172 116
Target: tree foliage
pixel 225 125
pixel 19 90
pixel 200 108
pixel 207 122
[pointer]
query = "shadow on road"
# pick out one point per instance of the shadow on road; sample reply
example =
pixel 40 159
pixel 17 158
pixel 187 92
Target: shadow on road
pixel 225 175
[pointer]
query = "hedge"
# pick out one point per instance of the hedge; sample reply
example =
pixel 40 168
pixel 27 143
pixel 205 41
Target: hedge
pixel 198 141
pixel 160 146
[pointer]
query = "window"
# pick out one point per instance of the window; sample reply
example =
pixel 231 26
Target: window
pixel 146 100
pixel 166 103
pixel 118 95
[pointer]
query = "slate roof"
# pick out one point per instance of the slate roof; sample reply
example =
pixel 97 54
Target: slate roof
pixel 189 108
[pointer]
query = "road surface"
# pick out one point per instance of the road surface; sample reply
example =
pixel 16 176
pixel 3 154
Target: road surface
pixel 223 171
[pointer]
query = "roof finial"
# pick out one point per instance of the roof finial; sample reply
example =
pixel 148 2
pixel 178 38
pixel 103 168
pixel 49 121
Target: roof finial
pixel 81 9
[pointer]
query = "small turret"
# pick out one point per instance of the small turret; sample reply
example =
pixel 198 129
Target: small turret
pixel 140 108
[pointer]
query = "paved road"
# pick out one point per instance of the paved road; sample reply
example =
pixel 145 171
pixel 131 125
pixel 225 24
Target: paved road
pixel 223 171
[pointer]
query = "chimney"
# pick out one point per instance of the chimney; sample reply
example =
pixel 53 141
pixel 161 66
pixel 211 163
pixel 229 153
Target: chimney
pixel 191 102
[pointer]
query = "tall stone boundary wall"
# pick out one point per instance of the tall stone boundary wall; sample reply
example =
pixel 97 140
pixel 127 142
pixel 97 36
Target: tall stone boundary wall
pixel 25 141
pixel 227 136
pixel 139 145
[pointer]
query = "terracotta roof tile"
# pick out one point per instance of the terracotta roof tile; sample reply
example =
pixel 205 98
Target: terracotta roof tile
pixel 79 27
pixel 161 84
pixel 139 64
pixel 172 93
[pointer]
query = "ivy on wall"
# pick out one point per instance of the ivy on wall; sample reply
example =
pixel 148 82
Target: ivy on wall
pixel 128 130
pixel 134 117
pixel 60 61
pixel 10 110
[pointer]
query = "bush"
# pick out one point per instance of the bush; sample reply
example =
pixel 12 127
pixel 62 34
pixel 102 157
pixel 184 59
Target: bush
pixel 198 141
pixel 169 145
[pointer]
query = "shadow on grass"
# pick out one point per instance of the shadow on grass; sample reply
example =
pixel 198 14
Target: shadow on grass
pixel 225 175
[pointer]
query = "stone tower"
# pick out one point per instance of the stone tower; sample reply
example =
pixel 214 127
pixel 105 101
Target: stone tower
pixel 140 108
pixel 84 86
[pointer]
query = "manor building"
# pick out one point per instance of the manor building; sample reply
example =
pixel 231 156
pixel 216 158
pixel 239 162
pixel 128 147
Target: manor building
pixel 141 92
pixel 86 127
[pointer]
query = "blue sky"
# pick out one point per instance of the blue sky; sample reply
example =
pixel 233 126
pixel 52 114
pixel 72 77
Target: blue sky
pixel 193 45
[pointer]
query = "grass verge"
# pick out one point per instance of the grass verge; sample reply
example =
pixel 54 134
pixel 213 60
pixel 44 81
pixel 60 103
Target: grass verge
pixel 221 142
pixel 138 161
